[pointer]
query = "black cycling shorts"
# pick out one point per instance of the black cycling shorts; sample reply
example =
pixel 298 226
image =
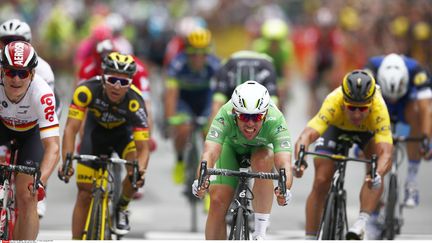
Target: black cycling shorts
pixel 29 145
pixel 98 140
pixel 331 138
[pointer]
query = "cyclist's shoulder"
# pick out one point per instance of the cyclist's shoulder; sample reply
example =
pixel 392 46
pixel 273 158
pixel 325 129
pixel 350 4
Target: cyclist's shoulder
pixel 334 97
pixel 213 61
pixel 91 85
pixel 44 70
pixel 251 55
pixel 39 87
pixel 134 93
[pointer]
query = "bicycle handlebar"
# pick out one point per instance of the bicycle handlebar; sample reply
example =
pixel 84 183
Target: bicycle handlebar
pixel 102 159
pixel 423 140
pixel 337 158
pixel 281 176
pixel 35 172
pixel 20 169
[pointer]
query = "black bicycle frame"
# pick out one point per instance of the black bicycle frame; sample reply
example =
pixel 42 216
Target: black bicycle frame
pixel 334 223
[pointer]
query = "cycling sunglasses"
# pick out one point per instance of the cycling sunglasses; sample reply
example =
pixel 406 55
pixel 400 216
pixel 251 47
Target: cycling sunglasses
pixel 247 117
pixel 361 108
pixel 22 73
pixel 113 80
pixel 8 39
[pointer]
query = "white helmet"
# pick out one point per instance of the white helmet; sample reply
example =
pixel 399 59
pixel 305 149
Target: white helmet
pixel 250 98
pixel 16 27
pixel 116 22
pixel 393 76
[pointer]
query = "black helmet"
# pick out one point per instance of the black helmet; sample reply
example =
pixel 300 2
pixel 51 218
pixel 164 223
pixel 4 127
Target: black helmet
pixel 119 63
pixel 358 86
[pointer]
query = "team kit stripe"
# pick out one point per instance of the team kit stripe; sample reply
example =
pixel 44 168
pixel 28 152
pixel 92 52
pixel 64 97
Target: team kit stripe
pixel 19 127
pixel 45 129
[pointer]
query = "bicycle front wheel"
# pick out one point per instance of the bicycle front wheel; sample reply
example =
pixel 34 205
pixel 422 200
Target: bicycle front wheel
pixel 390 221
pixel 4 225
pixel 240 227
pixel 97 225
pixel 327 225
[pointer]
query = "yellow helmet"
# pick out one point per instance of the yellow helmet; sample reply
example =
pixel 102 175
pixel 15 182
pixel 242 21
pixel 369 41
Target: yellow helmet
pixel 119 63
pixel 358 86
pixel 199 38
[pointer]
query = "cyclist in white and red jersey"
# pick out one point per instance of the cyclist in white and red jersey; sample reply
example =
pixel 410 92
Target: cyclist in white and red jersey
pixel 27 114
pixel 17 30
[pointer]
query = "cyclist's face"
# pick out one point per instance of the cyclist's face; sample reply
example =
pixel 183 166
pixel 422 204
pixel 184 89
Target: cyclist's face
pixel 116 91
pixel 197 58
pixel 249 127
pixel 16 82
pixel 357 112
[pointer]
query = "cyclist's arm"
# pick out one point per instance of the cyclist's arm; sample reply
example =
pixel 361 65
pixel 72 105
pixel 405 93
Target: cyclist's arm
pixel 425 116
pixel 211 153
pixel 308 136
pixel 283 160
pixel 50 158
pixel 143 152
pixel 171 97
pixel 219 99
pixel 384 153
pixel 71 129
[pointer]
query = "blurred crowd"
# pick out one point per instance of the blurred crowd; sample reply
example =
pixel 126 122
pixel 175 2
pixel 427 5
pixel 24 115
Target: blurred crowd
pixel 341 34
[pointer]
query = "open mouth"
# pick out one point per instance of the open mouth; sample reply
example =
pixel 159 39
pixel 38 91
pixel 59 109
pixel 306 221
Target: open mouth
pixel 249 130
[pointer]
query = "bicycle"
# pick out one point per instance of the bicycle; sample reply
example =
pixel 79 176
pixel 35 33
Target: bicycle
pixel 334 222
pixel 8 211
pixel 191 156
pixel 393 208
pixel 98 224
pixel 240 227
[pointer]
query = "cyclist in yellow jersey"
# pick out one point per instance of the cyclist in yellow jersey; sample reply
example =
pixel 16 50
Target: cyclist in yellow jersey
pixel 356 109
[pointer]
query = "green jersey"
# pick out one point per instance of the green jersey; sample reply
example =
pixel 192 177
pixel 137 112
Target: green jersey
pixel 274 131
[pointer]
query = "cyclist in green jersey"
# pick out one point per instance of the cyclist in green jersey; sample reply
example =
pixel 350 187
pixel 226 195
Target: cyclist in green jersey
pixel 275 43
pixel 248 125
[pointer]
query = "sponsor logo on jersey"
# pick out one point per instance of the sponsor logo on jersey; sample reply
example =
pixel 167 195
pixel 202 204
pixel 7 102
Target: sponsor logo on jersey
pixel 221 120
pixel 286 144
pixel 213 134
pixel 280 129
pixel 49 109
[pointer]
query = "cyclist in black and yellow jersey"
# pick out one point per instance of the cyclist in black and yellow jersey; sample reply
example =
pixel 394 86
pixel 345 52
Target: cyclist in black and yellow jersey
pixel 116 120
pixel 356 109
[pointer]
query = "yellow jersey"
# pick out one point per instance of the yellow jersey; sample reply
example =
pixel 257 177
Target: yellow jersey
pixel 332 114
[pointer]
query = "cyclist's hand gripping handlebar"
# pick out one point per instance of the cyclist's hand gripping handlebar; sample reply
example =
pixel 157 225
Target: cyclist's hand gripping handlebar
pixel 66 170
pixel 37 187
pixel 283 195
pixel 200 186
pixel 375 178
pixel 135 173
pixel 300 164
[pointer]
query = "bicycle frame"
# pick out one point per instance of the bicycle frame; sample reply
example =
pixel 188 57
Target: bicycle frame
pixel 241 209
pixel 240 227
pixel 191 156
pixel 98 223
pixel 100 198
pixel 8 212
pixel 334 221
pixel 393 208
